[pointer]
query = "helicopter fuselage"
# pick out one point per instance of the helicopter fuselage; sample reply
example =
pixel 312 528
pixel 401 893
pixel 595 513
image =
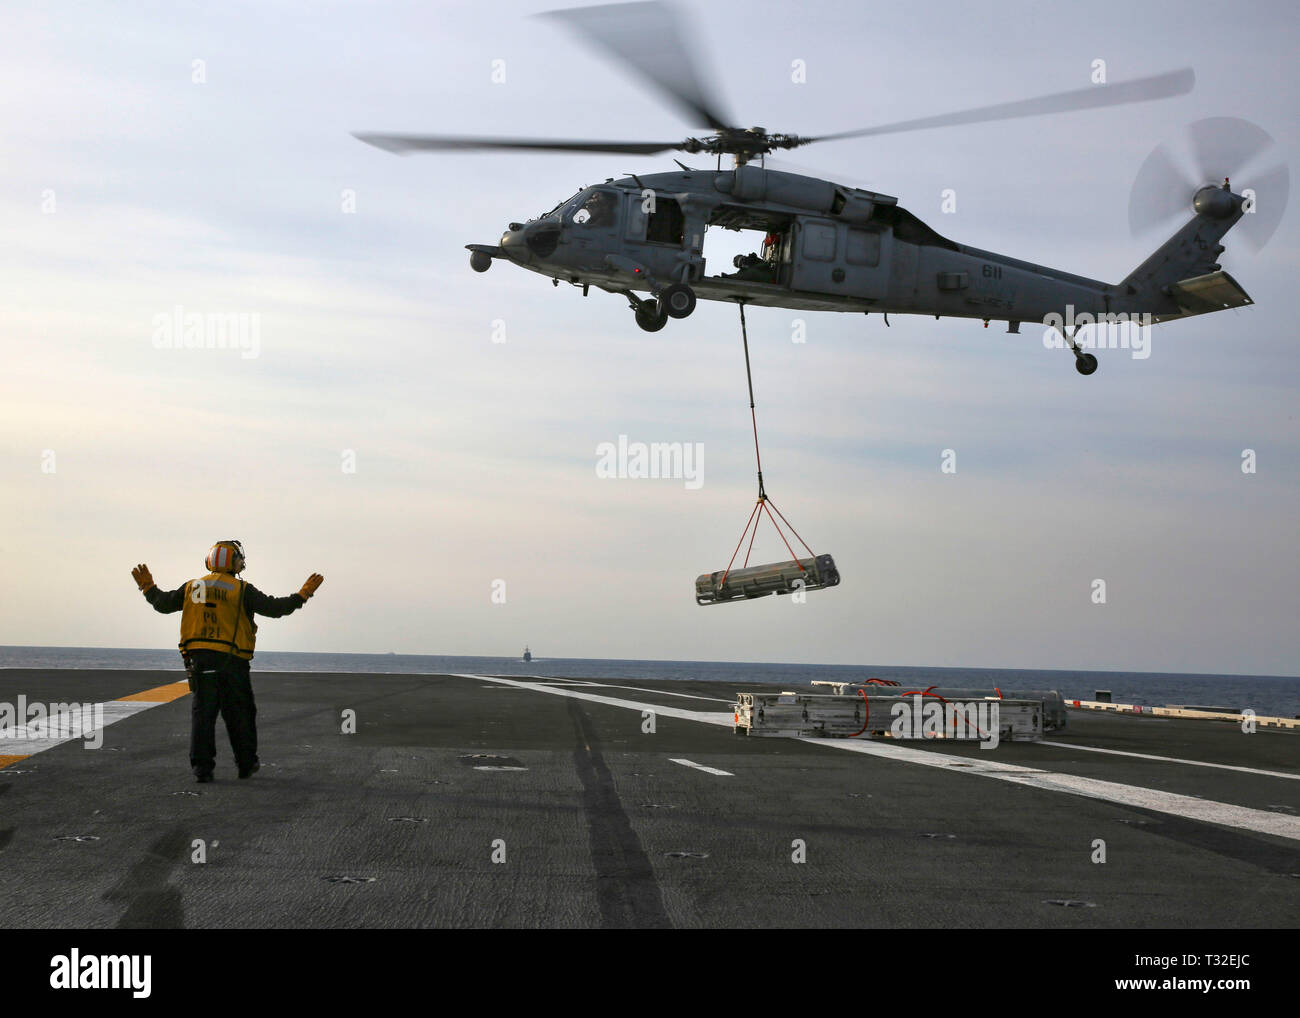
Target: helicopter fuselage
pixel 827 247
pixel 833 248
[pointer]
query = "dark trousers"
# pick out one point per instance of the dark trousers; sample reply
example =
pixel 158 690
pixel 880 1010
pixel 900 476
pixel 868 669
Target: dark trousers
pixel 221 685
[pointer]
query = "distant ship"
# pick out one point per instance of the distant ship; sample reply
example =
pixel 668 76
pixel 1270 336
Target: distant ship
pixel 528 654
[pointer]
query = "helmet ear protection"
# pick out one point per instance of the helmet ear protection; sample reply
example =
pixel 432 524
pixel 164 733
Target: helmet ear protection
pixel 225 557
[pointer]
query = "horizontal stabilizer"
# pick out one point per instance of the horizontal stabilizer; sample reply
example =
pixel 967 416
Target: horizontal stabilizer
pixel 1215 291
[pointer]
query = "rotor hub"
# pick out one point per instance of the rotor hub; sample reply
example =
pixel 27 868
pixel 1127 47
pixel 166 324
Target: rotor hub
pixel 743 142
pixel 1214 201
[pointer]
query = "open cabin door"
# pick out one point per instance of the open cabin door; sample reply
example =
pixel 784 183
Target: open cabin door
pixel 838 258
pixel 662 234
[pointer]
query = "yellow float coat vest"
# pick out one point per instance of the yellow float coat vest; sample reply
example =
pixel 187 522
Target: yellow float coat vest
pixel 213 617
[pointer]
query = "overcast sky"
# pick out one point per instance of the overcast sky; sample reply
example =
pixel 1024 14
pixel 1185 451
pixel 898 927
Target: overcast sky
pixel 130 189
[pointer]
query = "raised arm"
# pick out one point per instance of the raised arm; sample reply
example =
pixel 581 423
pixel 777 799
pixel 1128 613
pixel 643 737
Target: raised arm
pixel 274 607
pixel 164 601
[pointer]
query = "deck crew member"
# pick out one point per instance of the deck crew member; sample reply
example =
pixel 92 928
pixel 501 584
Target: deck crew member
pixel 217 639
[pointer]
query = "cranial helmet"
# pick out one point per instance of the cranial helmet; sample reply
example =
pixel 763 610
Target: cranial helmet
pixel 225 557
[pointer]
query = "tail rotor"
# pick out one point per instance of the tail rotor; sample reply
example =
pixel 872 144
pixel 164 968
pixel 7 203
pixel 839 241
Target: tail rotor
pixel 1216 149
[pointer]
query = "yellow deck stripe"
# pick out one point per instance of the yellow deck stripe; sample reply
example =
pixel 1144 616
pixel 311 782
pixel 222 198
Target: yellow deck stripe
pixel 161 694
pixel 5 761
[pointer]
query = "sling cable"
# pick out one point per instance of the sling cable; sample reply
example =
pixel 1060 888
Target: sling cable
pixel 747 582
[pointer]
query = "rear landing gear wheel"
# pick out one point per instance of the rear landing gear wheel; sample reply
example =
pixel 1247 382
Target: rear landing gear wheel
pixel 651 316
pixel 1085 364
pixel 678 300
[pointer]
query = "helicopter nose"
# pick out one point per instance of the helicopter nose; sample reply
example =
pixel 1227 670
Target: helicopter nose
pixel 531 242
pixel 514 244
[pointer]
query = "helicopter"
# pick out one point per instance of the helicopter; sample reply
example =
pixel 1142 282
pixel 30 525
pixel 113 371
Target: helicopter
pixel 831 247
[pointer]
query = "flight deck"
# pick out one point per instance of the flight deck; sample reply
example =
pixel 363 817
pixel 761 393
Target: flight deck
pixel 452 801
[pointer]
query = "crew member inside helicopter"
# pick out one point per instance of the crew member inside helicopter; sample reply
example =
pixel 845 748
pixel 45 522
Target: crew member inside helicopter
pixel 761 268
pixel 597 210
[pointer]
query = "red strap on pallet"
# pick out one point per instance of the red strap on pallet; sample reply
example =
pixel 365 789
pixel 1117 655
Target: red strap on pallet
pixel 866 707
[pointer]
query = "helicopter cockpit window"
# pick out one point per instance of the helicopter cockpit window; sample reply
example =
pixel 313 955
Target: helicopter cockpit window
pixel 559 206
pixel 597 208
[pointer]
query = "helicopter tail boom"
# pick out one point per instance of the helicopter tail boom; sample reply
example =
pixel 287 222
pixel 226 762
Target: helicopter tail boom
pixel 1182 276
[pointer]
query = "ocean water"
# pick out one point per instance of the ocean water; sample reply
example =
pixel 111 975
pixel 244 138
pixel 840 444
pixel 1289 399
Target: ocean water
pixel 1272 695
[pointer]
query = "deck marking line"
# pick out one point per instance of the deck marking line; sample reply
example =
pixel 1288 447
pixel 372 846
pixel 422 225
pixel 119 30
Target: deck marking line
pixel 1172 759
pixel 707 717
pixel 42 735
pixel 664 692
pixel 1189 807
pixel 1277 824
pixel 639 689
pixel 159 694
pixel 701 767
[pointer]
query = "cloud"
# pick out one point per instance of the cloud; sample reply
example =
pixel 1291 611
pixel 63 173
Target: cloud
pixel 474 460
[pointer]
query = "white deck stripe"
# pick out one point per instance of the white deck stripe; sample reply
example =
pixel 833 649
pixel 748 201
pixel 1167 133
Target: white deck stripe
pixel 1278 824
pixel 20 744
pixel 1173 759
pixel 707 717
pixel 664 692
pixel 1227 814
pixel 701 767
pixel 614 685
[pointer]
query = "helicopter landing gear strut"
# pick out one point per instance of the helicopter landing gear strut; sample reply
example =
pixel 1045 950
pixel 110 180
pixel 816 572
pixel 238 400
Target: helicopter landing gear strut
pixel 1084 363
pixel 678 300
pixel 650 314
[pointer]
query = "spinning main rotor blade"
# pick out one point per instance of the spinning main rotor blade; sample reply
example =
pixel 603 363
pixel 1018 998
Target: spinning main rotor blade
pixel 1160 86
pixel 648 38
pixel 404 143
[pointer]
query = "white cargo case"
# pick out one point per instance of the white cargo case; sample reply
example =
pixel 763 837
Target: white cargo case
pixel 1054 714
pixel 820 715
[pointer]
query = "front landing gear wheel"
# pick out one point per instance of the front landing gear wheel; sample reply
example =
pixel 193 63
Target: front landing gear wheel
pixel 480 261
pixel 1085 364
pixel 651 316
pixel 678 300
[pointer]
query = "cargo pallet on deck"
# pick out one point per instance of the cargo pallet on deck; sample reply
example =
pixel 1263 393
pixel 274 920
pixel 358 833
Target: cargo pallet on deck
pixel 822 715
